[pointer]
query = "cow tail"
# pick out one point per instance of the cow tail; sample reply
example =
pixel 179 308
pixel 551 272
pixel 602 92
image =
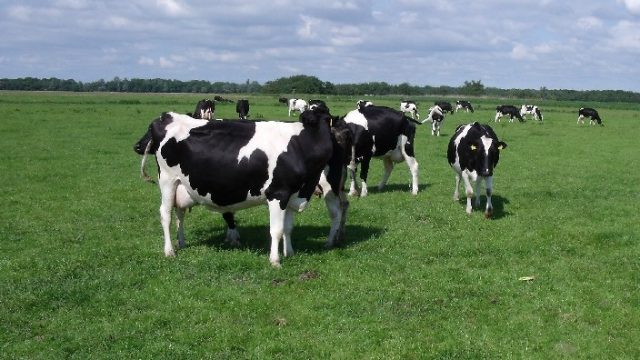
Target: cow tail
pixel 143 172
pixel 413 120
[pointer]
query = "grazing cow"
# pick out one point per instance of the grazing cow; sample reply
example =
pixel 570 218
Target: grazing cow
pixel 318 104
pixel 232 165
pixel 204 109
pixel 591 113
pixel 436 117
pixel 410 107
pixel 385 133
pixel 473 153
pixel 242 108
pixel 445 106
pixel 465 105
pixel 362 103
pixel 533 110
pixel 298 105
pixel 221 99
pixel 504 110
pixel 283 100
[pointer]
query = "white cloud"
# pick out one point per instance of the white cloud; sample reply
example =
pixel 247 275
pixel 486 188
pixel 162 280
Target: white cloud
pixel 144 60
pixel 172 7
pixel 590 23
pixel 633 6
pixel 521 52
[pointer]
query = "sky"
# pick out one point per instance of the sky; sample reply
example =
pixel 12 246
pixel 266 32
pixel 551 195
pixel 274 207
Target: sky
pixel 525 44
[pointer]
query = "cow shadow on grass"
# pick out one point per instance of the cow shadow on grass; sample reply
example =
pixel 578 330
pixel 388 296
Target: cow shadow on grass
pixel 306 238
pixel 497 201
pixel 396 188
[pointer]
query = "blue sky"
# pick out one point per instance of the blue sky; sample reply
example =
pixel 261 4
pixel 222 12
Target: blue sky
pixel 582 45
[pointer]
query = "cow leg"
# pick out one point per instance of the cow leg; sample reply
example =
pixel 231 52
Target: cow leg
pixel 580 119
pixel 183 201
pixel 497 119
pixel 180 225
pixel 233 236
pixel 364 173
pixel 168 195
pixel 276 229
pixel 388 167
pixel 287 248
pixel 413 169
pixel 456 193
pixel 468 190
pixel 488 212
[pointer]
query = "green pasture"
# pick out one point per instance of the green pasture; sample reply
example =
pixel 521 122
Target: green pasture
pixel 83 276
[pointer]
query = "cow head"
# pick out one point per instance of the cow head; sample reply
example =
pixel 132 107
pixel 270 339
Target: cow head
pixel 484 150
pixel 155 132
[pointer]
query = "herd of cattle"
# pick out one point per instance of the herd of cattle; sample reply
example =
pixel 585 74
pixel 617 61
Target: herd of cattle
pixel 230 165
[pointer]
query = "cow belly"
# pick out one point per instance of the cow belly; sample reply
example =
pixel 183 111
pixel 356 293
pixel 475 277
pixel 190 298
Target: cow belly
pixel 206 200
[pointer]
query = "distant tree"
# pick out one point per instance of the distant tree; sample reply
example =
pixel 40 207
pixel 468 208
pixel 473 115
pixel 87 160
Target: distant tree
pixel 472 87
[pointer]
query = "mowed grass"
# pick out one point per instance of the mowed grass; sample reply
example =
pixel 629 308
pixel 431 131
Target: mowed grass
pixel 82 273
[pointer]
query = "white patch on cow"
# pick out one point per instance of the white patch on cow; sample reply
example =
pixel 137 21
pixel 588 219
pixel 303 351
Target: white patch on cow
pixel 180 128
pixel 486 141
pixel 356 117
pixel 272 138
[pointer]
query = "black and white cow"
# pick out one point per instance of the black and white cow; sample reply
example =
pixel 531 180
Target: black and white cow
pixel 410 107
pixel 221 99
pixel 436 117
pixel 242 108
pixel 508 110
pixel 533 110
pixel 473 153
pixel 298 105
pixel 445 106
pixel 362 103
pixel 385 133
pixel 204 109
pixel 232 165
pixel 590 113
pixel 464 105
pixel 283 100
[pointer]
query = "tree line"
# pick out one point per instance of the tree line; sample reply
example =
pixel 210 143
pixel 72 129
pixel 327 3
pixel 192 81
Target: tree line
pixel 303 84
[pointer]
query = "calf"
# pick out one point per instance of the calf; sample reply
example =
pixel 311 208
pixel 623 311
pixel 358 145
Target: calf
pixel 533 110
pixel 232 165
pixel 204 109
pixel 473 153
pixel 510 110
pixel 384 133
pixel 298 105
pixel 591 113
pixel 242 108
pixel 465 105
pixel 445 106
pixel 410 107
pixel 436 117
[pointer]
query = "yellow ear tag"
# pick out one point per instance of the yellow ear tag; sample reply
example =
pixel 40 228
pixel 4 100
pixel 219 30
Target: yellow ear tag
pixel 500 147
pixel 473 147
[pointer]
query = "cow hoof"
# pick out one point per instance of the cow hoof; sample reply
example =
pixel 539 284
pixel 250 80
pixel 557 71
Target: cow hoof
pixel 488 215
pixel 276 264
pixel 169 252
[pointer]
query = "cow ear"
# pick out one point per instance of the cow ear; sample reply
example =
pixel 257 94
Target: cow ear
pixel 502 145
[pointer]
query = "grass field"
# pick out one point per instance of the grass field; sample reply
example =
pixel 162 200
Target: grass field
pixel 82 273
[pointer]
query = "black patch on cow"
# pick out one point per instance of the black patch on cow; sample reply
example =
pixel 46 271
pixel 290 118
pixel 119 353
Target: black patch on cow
pixel 213 147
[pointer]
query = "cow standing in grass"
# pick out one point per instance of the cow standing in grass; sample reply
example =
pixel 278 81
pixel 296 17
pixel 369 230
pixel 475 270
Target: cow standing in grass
pixel 384 133
pixel 232 165
pixel 473 153
pixel 590 113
